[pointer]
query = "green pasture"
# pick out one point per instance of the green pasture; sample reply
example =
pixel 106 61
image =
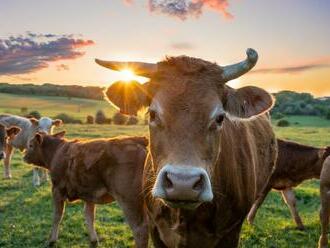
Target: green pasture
pixel 26 212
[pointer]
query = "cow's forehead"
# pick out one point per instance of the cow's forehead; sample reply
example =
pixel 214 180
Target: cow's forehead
pixel 45 123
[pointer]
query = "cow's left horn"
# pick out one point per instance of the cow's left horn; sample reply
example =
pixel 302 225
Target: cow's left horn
pixel 231 72
pixel 139 68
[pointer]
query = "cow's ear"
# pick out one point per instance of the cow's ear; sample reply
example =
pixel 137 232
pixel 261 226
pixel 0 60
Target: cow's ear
pixel 34 121
pixel 39 138
pixel 12 131
pixel 57 122
pixel 247 102
pixel 128 97
pixel 59 135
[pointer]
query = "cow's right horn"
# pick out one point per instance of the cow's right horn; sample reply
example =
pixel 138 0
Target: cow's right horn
pixel 231 72
pixel 139 68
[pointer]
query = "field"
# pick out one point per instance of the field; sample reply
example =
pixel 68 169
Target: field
pixel 26 212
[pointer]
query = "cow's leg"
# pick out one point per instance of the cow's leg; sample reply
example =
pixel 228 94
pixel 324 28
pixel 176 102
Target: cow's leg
pixel 59 205
pixel 290 199
pixel 9 152
pixel 89 218
pixel 44 175
pixel 324 213
pixel 136 219
pixel 35 177
pixel 253 211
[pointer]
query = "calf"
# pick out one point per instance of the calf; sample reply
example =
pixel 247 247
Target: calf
pixel 295 163
pixel 5 134
pixel 29 127
pixel 97 172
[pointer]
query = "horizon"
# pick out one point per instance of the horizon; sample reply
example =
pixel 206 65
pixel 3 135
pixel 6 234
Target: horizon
pixel 44 42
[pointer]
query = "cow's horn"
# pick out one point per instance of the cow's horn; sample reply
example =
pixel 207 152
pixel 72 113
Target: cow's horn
pixel 231 72
pixel 139 68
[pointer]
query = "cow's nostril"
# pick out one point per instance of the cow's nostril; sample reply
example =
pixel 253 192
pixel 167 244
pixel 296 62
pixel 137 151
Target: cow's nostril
pixel 198 185
pixel 168 182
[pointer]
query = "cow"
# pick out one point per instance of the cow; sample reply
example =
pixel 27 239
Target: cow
pixel 295 163
pixel 325 201
pixel 5 134
pixel 29 127
pixel 212 147
pixel 96 171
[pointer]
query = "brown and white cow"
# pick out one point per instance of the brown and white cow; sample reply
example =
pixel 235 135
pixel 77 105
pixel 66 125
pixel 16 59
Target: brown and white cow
pixel 29 127
pixel 295 163
pixel 212 147
pixel 97 171
pixel 5 135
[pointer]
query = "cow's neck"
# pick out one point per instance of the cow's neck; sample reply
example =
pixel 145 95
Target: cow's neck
pixel 49 149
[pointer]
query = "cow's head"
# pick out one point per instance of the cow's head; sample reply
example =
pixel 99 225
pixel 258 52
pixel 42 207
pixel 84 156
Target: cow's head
pixel 5 134
pixel 189 106
pixel 45 124
pixel 34 153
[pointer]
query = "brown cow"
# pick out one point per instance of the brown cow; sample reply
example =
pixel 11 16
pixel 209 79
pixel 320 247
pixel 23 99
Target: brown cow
pixel 295 163
pixel 325 201
pixel 212 148
pixel 5 135
pixel 97 172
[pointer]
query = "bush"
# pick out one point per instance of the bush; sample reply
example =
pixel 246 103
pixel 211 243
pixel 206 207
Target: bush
pixel 100 117
pixel 34 114
pixel 278 115
pixel 132 120
pixel 67 119
pixel 327 116
pixel 89 119
pixel 119 119
pixel 283 123
pixel 108 121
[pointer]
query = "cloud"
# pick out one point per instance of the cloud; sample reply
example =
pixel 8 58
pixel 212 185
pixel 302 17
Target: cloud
pixel 32 52
pixel 62 67
pixel 316 64
pixel 183 9
pixel 182 46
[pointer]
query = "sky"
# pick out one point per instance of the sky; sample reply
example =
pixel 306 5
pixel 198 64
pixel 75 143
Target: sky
pixel 47 41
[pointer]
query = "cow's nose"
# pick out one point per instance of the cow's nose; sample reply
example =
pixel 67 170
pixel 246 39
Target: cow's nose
pixel 178 183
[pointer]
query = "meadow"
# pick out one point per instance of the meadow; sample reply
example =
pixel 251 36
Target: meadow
pixel 26 211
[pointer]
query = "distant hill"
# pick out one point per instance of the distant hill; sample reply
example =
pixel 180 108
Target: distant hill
pixel 87 92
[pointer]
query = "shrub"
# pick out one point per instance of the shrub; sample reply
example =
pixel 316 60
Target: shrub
pixel 89 119
pixel 283 123
pixel 67 119
pixel 108 121
pixel 278 115
pixel 100 117
pixel 119 119
pixel 327 116
pixel 132 120
pixel 34 114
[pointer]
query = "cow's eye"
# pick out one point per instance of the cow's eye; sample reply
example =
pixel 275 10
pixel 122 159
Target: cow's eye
pixel 217 122
pixel 220 119
pixel 152 115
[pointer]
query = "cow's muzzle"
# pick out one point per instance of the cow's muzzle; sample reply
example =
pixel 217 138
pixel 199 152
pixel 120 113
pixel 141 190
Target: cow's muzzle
pixel 183 186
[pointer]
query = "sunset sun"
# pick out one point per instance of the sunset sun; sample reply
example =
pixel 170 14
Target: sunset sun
pixel 127 75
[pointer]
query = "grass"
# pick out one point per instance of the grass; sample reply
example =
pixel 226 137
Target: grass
pixel 26 212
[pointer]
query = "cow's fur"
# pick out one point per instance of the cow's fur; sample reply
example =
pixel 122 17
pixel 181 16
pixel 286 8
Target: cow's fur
pixel 325 200
pixel 295 163
pixel 97 172
pixel 239 156
pixel 29 127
